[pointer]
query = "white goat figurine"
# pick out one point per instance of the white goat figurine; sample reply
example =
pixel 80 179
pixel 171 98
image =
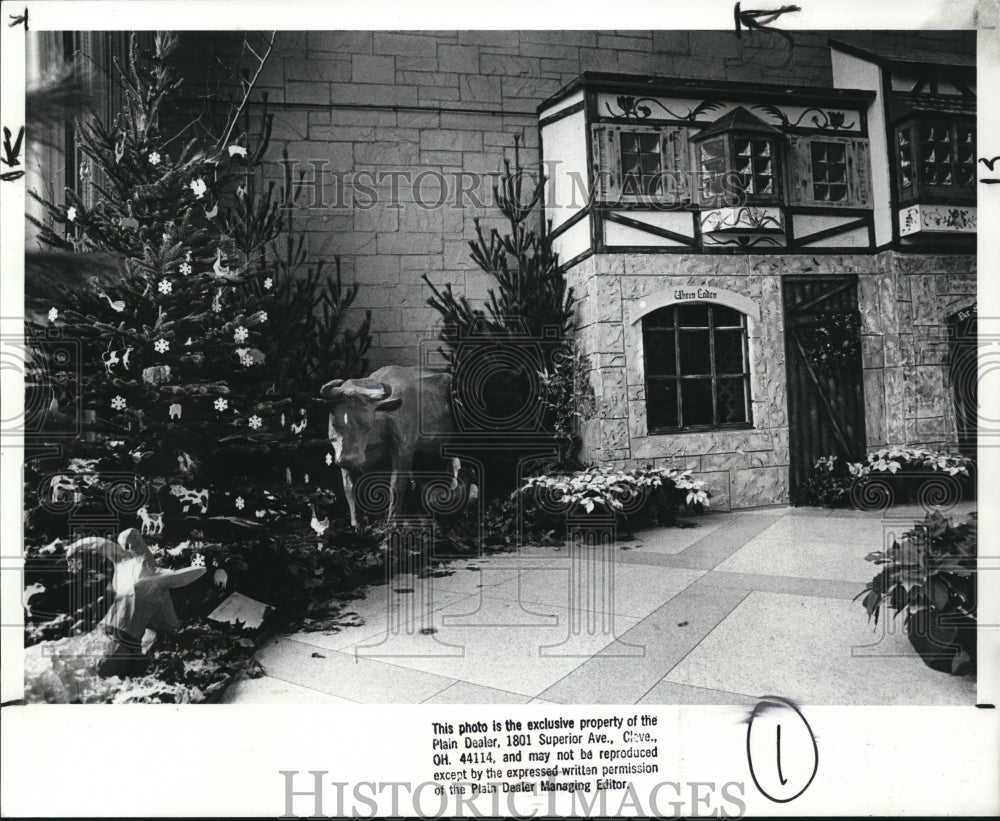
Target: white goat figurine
pixel 63 670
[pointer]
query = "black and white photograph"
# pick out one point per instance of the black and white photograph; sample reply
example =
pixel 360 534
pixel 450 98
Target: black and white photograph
pixel 540 370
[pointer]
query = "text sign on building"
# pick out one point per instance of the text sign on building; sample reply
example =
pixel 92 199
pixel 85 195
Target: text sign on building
pixel 694 292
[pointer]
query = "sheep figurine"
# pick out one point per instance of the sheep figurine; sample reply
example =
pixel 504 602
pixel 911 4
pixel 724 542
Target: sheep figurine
pixel 67 669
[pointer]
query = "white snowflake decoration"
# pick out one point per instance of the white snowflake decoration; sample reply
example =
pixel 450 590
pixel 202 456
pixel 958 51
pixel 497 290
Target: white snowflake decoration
pixel 118 403
pixel 53 314
pixel 221 404
pixel 165 287
pixel 154 158
pixel 240 504
pixel 268 283
pixel 197 560
pixel 329 459
pixel 263 316
pixel 185 268
pixel 71 213
pixel 198 188
pixel 254 421
pixel 161 346
pixel 241 334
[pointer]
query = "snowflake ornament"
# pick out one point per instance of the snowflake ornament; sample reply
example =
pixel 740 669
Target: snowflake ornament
pixel 185 268
pixel 221 404
pixel 241 334
pixel 161 346
pixel 240 504
pixel 254 421
pixel 246 360
pixel 53 314
pixel 165 287
pixel 197 560
pixel 268 283
pixel 329 459
pixel 198 188
pixel 262 316
pixel 154 158
pixel 118 403
pixel 71 213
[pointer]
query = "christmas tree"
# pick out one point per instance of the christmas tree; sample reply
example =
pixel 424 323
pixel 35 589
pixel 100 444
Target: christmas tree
pixel 187 403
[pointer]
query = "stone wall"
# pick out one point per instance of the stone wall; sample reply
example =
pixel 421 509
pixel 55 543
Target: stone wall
pixel 450 103
pixel 904 300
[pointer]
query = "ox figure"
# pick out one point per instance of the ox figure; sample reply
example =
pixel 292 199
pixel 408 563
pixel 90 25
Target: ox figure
pixel 384 420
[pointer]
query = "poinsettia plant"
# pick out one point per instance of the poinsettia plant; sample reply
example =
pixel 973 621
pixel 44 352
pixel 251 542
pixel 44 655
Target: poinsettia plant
pixel 930 577
pixel 630 496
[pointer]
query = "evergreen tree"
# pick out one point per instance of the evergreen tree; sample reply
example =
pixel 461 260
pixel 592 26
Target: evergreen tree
pixel 197 364
pixel 514 359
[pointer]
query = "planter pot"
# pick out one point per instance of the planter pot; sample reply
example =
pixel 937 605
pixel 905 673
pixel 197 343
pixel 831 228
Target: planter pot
pixel 938 637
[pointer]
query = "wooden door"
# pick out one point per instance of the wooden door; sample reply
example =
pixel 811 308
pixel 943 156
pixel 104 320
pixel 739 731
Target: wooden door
pixel 826 403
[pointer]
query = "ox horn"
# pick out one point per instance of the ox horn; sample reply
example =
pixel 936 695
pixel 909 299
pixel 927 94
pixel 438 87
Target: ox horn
pixel 337 388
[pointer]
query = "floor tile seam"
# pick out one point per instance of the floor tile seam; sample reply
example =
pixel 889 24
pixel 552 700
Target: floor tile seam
pixel 596 653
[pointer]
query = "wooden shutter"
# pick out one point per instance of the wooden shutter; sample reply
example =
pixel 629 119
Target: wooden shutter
pixel 676 161
pixel 859 173
pixel 800 172
pixel 606 171
pixel 800 178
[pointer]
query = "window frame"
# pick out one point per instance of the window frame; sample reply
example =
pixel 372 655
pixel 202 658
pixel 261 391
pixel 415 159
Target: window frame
pixel 713 377
pixel 801 182
pixel 608 176
pixel 729 139
pixel 920 190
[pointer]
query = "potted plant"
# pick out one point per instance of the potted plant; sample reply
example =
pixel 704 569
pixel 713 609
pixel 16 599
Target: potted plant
pixel 931 578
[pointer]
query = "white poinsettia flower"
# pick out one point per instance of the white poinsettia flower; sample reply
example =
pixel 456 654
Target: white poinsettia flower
pixel 241 334
pixel 198 188
pixel 161 346
pixel 221 404
pixel 118 403
pixel 71 213
pixel 154 158
pixel 254 421
pixel 53 314
pixel 165 287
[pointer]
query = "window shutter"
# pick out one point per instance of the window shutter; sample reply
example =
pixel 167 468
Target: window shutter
pixel 606 171
pixel 859 174
pixel 800 178
pixel 676 160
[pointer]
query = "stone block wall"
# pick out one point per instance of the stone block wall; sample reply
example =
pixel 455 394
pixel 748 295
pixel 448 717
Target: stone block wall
pixel 351 105
pixel 903 300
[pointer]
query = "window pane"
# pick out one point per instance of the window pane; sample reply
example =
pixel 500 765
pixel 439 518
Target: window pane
pixel 829 171
pixel 721 315
pixel 905 163
pixel 966 156
pixel 729 351
pixel 661 403
pixel 660 353
pixel 660 318
pixel 693 315
pixel 696 402
pixel 696 356
pixel 730 398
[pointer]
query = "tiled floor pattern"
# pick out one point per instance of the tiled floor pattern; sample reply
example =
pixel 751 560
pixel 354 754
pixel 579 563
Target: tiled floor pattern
pixel 736 606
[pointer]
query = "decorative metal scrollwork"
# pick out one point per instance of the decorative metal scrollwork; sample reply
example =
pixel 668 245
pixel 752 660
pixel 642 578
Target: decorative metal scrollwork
pixel 637 108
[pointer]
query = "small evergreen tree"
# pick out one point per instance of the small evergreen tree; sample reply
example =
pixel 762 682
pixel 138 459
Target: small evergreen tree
pixel 514 359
